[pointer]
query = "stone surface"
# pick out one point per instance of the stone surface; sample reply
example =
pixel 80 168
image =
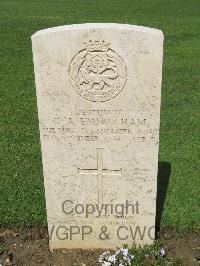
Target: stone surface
pixel 98 94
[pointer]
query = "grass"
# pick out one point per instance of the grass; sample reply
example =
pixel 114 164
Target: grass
pixel 2 248
pixel 21 182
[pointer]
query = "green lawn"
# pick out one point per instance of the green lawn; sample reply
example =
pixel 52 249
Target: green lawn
pixel 21 182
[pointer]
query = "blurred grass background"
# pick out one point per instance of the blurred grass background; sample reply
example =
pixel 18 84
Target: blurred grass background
pixel 21 182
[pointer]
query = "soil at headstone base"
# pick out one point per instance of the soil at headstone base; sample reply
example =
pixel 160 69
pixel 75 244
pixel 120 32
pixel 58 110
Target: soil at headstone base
pixel 30 248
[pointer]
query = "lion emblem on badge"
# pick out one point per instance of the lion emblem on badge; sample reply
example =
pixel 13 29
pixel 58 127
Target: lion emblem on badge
pixel 97 73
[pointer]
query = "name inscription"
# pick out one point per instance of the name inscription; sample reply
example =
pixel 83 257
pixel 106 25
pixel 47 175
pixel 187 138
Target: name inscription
pixel 99 125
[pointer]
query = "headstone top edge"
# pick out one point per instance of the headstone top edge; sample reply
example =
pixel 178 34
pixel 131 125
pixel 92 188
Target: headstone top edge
pixel 98 26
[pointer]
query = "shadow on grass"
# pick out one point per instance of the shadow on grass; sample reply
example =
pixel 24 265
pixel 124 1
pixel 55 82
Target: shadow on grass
pixel 164 170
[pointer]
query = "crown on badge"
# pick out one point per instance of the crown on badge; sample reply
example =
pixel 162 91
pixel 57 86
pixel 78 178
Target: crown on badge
pixel 97 46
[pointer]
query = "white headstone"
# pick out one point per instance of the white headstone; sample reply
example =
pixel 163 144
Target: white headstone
pixel 98 94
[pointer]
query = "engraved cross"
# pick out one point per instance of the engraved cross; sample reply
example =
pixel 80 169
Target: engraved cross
pixel 100 172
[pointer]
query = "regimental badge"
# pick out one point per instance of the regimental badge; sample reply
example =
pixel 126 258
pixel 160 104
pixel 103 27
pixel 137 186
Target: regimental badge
pixel 97 73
